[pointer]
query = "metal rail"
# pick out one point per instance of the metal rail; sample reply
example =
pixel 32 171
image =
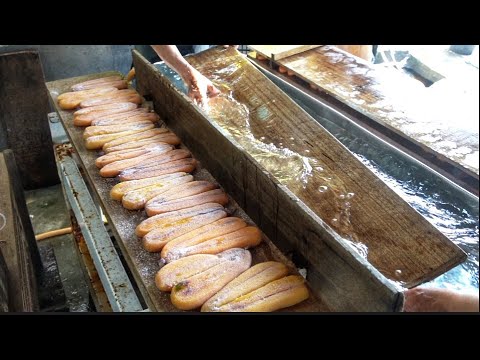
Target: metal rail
pixel 117 285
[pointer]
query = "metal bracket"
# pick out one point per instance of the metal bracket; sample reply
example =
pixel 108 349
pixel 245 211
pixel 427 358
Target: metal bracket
pixel 117 285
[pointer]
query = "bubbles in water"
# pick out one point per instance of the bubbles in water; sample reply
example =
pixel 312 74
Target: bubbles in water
pixel 360 248
pixel 248 123
pixel 450 211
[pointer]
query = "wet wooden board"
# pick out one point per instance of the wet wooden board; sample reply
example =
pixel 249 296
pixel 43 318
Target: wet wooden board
pixel 362 51
pixel 387 100
pixel 401 244
pixel 278 52
pixel 345 283
pixel 4 299
pixel 143 264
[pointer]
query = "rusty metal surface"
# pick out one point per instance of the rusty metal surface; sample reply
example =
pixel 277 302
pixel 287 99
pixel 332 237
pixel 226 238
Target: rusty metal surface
pixel 115 281
pixel 99 295
pixel 144 265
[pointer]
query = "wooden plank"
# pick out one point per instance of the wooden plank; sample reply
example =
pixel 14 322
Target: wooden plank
pixel 15 233
pixel 144 265
pixel 4 296
pixel 23 118
pixel 278 52
pixel 21 209
pixel 272 206
pixel 362 51
pixel 51 295
pixel 383 98
pixel 258 157
pixel 41 287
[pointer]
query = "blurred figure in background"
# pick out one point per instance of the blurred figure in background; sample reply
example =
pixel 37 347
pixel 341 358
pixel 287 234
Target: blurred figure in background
pixel 365 52
pixel 151 55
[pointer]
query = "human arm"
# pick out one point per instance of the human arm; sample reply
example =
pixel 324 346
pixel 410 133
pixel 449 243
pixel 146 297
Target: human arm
pixel 199 87
pixel 439 300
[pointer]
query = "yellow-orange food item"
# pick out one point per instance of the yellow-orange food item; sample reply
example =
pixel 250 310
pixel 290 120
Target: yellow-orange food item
pixel 194 279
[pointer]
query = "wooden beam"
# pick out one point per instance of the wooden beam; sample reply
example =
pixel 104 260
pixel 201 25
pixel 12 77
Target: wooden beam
pixel 278 52
pixel 16 234
pixel 4 296
pixel 23 118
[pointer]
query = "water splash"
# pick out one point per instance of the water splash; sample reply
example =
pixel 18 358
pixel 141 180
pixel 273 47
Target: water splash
pixel 295 169
pixel 287 159
pixel 452 213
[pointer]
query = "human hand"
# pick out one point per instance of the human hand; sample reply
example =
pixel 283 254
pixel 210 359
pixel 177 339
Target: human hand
pixel 199 87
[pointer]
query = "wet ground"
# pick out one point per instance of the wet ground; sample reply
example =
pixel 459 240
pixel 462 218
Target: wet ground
pixel 48 212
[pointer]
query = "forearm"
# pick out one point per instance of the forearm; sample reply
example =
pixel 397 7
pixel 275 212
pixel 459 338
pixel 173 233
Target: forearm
pixel 172 57
pixel 463 303
pixel 439 300
pixel 199 87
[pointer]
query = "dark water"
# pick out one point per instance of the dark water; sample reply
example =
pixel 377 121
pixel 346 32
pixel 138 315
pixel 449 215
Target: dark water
pixel 449 209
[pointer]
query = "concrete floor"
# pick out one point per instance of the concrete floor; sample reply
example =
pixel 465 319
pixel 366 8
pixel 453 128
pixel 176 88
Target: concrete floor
pixel 48 212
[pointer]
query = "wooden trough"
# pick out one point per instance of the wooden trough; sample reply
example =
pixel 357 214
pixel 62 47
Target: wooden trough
pixel 306 216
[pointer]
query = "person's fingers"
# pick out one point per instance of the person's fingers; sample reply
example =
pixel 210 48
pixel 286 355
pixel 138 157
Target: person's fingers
pixel 200 88
pixel 212 90
pixel 130 75
pixel 197 96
